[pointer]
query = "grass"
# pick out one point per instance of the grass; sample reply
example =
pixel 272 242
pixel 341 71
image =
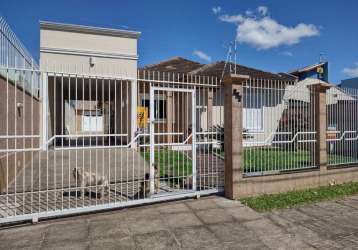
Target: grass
pixel 266 159
pixel 171 163
pixel 266 202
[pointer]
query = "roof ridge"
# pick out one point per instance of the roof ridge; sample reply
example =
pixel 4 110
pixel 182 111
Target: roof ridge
pixel 168 60
pixel 205 66
pixel 307 67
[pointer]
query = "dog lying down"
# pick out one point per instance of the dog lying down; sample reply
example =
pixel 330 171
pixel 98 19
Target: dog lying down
pixel 86 179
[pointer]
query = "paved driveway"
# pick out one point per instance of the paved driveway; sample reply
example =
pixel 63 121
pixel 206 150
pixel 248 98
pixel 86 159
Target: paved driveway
pixel 207 223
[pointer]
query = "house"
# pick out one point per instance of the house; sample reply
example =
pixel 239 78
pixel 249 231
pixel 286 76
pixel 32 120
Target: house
pixel 210 110
pixel 317 71
pixel 266 107
pixel 83 60
pixel 350 83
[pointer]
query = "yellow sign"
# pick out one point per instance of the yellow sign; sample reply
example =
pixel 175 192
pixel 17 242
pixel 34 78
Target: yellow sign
pixel 320 70
pixel 142 117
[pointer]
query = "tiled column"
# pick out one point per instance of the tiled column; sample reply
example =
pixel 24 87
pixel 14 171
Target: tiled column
pixel 233 106
pixel 319 113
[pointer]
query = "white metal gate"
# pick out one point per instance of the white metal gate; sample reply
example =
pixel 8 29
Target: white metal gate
pixel 184 143
pixel 52 166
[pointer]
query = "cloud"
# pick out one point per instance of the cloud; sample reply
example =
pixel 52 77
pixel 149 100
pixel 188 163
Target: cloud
pixel 249 13
pixel 263 10
pixel 202 55
pixel 231 19
pixel 287 53
pixel 216 10
pixel 351 72
pixel 263 32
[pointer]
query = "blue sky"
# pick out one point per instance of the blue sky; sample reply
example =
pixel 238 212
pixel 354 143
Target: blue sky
pixel 279 36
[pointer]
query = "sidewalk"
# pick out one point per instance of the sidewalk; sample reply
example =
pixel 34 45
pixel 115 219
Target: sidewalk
pixel 208 223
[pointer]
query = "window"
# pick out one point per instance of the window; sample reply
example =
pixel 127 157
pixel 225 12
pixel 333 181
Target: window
pixel 160 107
pixel 253 112
pixel 252 119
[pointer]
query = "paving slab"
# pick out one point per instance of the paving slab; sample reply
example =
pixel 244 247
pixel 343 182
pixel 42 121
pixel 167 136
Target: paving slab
pixel 206 223
pixel 112 243
pixel 71 231
pixel 243 213
pixel 181 220
pixel 214 216
pixel 108 229
pixel 173 208
pixel 198 237
pixel 157 240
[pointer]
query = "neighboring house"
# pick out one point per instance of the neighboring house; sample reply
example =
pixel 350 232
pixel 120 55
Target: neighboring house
pixel 265 108
pixel 211 114
pixel 317 71
pixel 350 83
pixel 89 118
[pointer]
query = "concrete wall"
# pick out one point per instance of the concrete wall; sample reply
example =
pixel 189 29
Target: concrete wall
pixel 254 186
pixel 69 48
pixel 19 121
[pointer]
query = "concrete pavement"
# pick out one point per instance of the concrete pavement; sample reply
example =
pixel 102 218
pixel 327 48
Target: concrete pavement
pixel 208 223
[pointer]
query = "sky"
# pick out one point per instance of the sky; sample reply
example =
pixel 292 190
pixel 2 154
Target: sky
pixel 275 36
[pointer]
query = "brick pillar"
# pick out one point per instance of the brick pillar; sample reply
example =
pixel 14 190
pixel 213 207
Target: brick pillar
pixel 234 166
pixel 319 113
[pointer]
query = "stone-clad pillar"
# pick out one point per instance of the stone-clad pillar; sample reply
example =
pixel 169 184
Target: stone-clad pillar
pixel 319 113
pixel 233 140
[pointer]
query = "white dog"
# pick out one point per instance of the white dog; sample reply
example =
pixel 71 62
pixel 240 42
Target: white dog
pixel 86 179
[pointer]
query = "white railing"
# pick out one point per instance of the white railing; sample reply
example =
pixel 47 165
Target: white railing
pixel 13 54
pixel 342 126
pixel 279 133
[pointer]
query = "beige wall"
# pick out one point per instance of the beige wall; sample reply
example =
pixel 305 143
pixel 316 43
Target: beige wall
pixel 27 122
pixel 71 40
pixel 80 64
pixel 69 48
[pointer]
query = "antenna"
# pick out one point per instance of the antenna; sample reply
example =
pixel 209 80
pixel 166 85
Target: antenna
pixel 321 57
pixel 230 56
pixel 235 54
pixel 230 51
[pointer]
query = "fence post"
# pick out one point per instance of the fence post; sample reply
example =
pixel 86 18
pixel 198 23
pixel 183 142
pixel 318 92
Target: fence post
pixel 318 104
pixel 233 145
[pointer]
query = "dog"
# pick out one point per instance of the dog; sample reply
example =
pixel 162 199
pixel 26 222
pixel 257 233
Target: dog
pixel 333 182
pixel 144 188
pixel 86 179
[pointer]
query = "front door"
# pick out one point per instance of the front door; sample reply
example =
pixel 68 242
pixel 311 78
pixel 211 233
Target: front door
pixel 172 140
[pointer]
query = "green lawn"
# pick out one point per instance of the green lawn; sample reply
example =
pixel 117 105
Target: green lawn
pixel 176 163
pixel 266 202
pixel 265 159
pixel 171 163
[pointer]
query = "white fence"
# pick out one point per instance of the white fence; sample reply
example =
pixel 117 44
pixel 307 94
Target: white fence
pixel 342 126
pixel 145 139
pixel 279 131
pixel 13 54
